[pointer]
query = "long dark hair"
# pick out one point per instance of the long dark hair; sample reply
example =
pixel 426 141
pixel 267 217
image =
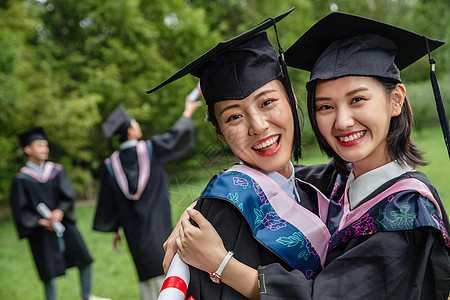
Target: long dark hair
pixel 399 144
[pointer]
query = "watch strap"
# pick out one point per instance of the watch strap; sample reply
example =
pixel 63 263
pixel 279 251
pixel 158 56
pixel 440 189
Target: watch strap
pixel 216 277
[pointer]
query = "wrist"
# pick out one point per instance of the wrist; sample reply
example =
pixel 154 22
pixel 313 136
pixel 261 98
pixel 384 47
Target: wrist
pixel 216 261
pixel 216 276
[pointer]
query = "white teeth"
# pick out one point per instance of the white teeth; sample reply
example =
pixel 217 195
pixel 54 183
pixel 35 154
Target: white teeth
pixel 267 143
pixel 352 137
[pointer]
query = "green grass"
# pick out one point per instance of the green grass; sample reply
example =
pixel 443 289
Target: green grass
pixel 114 273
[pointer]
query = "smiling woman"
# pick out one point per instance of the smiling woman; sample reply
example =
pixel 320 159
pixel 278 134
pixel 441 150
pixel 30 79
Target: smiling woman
pixel 252 108
pixel 389 230
pixel 259 128
pixel 353 114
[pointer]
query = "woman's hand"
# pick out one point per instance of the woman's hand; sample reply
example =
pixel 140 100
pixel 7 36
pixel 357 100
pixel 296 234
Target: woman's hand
pixel 200 247
pixel 170 246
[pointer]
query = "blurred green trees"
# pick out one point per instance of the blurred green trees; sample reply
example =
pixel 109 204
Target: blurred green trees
pixel 65 65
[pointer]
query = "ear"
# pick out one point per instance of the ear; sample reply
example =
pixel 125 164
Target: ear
pixel 27 149
pixel 398 97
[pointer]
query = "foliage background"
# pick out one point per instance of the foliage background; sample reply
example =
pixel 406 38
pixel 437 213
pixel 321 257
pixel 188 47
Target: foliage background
pixel 65 65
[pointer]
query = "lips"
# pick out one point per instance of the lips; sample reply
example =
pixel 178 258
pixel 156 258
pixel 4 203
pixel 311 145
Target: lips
pixel 351 139
pixel 268 146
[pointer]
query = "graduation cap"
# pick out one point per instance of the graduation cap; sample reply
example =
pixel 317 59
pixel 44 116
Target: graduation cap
pixel 117 122
pixel 342 44
pixel 234 69
pixel 27 137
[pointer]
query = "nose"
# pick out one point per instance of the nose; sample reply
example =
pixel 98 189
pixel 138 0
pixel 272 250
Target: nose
pixel 257 124
pixel 344 119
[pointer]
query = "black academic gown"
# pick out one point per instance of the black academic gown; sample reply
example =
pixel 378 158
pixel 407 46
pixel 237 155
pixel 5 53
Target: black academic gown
pixel 56 192
pixel 410 264
pixel 237 236
pixel 146 222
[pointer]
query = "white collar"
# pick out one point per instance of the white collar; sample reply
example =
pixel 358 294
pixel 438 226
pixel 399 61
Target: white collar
pixel 361 187
pixel 128 144
pixel 37 168
pixel 287 184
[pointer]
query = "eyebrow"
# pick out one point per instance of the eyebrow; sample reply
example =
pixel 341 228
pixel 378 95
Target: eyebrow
pixel 262 93
pixel 357 90
pixel 361 89
pixel 228 108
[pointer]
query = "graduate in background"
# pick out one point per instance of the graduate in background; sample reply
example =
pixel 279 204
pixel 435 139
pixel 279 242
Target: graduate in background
pixel 42 183
pixel 134 190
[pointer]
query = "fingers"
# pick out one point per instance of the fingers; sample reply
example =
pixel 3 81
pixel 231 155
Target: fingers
pixel 170 247
pixel 57 215
pixel 170 253
pixel 179 245
pixel 165 245
pixel 183 224
pixel 198 218
pixel 47 224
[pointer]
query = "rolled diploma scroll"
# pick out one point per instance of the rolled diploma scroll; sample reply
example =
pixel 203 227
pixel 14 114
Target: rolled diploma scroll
pixel 46 214
pixel 176 282
pixel 196 92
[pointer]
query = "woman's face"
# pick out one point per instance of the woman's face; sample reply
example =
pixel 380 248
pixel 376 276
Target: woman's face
pixel 353 114
pixel 259 129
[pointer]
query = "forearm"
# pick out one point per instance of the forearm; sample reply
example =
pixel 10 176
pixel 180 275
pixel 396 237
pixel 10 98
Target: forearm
pixel 241 278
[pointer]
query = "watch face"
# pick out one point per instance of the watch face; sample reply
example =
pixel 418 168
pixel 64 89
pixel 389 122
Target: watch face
pixel 215 277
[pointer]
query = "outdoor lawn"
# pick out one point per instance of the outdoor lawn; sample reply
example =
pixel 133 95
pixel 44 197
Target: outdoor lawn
pixel 114 274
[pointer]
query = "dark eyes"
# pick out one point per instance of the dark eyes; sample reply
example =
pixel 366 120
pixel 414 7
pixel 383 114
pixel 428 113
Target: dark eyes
pixel 233 117
pixel 327 106
pixel 324 107
pixel 238 116
pixel 267 102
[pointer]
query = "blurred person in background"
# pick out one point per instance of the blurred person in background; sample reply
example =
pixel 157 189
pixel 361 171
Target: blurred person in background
pixel 134 191
pixel 44 183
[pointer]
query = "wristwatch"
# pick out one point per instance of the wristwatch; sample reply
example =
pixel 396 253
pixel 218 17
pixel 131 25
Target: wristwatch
pixel 216 276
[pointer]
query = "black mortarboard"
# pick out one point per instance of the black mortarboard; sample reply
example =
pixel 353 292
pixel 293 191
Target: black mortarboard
pixel 117 122
pixel 235 68
pixel 342 44
pixel 31 135
pixel 239 70
pixel 353 45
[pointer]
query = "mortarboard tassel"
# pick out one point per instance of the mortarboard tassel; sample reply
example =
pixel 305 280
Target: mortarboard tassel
pixel 287 83
pixel 437 97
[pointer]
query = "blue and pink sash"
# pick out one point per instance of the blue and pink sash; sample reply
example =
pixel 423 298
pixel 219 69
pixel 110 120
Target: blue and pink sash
pixel 277 221
pixel 406 205
pixel 51 169
pixel 114 166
